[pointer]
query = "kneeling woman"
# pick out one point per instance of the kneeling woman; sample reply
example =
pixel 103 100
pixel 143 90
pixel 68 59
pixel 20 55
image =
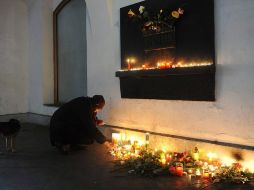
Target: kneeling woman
pixel 75 122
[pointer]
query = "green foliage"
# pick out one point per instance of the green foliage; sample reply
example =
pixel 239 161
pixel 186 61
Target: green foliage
pixel 232 175
pixel 149 163
pixel 146 164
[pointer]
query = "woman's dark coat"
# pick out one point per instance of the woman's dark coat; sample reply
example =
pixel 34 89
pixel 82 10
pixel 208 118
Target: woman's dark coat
pixel 75 123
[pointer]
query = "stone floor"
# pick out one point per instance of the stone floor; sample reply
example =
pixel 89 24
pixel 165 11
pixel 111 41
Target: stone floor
pixel 38 166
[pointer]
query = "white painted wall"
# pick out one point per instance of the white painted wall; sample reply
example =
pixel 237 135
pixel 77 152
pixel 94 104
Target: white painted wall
pixel 26 56
pixel 41 51
pixel 13 57
pixel 228 119
pixel 41 86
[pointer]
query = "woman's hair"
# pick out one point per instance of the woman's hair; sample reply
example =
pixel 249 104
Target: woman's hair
pixel 98 101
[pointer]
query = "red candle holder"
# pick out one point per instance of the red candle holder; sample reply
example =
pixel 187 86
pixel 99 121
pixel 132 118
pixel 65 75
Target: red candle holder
pixel 206 175
pixel 177 169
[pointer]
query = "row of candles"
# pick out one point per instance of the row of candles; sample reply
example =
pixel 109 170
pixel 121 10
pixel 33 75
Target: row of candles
pixel 126 148
pixel 164 64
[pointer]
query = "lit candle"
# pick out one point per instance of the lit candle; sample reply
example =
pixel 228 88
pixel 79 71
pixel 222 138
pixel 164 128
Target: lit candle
pixel 206 174
pixel 116 138
pixel 163 161
pixel 168 157
pixel 128 63
pixel 158 65
pixel 123 138
pixel 163 158
pixel 131 63
pixel 205 165
pixel 132 140
pixel 190 171
pixel 179 169
pixel 168 65
pixel 211 156
pixel 161 65
pixel 135 144
pixel 198 173
pixel 147 138
pixel 144 66
pixel 196 154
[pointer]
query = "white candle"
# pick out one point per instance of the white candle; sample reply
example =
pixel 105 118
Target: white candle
pixel 147 138
pixel 116 137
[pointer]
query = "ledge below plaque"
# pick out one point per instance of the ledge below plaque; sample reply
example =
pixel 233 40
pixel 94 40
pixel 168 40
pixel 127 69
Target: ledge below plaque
pixel 196 84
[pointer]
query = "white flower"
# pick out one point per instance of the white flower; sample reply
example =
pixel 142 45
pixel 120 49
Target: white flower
pixel 141 9
pixel 180 11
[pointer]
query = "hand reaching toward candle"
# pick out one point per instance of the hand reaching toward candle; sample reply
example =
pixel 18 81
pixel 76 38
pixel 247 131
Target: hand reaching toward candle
pixel 100 122
pixel 107 144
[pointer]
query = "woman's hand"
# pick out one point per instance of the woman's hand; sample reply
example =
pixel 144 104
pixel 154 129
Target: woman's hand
pixel 107 144
pixel 100 122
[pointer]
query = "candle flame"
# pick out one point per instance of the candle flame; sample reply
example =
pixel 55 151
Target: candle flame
pixel 211 156
pixel 167 64
pixel 226 161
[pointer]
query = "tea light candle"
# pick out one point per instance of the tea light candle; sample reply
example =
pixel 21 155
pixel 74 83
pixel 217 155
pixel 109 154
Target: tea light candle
pixel 198 173
pixel 206 174
pixel 179 169
pixel 116 138
pixel 190 171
